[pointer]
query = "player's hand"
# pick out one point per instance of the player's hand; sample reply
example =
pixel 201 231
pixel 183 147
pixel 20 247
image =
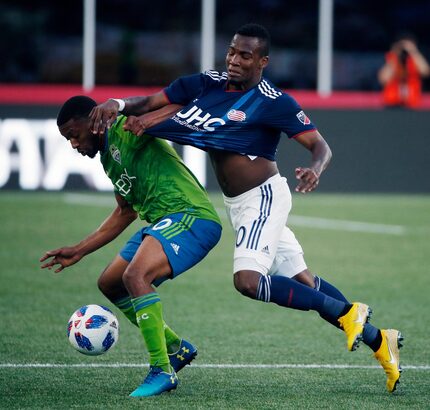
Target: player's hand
pixel 64 257
pixel 308 178
pixel 409 46
pixel 102 116
pixel 134 125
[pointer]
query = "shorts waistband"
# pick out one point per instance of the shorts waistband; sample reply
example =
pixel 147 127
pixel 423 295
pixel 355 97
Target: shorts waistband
pixel 275 179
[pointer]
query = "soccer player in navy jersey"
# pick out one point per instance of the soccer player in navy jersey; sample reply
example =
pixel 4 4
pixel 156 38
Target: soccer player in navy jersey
pixel 237 116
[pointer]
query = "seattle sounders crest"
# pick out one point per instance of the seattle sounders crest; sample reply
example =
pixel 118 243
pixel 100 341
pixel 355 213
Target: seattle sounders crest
pixel 116 155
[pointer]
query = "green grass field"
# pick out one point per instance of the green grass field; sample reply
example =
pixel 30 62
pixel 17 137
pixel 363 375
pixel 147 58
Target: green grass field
pixel 384 261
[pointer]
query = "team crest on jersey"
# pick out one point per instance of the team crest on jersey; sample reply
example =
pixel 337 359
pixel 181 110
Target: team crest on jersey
pixel 303 118
pixel 235 115
pixel 116 155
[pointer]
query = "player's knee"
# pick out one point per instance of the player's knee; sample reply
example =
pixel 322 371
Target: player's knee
pixel 306 278
pixel 246 282
pixel 102 285
pixel 105 287
pixel 131 275
pixel 134 275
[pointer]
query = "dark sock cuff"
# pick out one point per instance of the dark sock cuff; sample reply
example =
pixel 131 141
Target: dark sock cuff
pixel 346 309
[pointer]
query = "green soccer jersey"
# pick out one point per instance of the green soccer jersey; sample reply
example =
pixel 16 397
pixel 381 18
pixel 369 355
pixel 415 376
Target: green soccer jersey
pixel 149 174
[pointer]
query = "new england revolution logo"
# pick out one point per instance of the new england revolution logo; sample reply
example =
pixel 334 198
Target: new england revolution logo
pixel 235 115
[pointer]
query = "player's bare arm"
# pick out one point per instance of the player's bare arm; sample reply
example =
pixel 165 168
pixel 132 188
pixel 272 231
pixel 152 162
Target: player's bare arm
pixel 321 154
pixel 103 115
pixel 138 125
pixel 120 218
pixel 419 59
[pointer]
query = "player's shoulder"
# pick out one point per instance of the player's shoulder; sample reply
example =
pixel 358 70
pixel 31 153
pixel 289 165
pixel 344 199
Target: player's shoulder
pixel 275 94
pixel 267 89
pixel 215 76
pixel 116 129
pixel 123 137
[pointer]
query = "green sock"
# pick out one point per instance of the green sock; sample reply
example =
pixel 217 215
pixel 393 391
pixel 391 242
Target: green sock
pixel 126 307
pixel 173 341
pixel 149 316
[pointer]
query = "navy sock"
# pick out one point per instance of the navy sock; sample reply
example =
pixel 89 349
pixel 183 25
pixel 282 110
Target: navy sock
pixel 292 294
pixel 329 290
pixel 371 335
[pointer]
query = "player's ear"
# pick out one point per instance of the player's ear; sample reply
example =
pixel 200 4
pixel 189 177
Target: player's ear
pixel 86 124
pixel 264 61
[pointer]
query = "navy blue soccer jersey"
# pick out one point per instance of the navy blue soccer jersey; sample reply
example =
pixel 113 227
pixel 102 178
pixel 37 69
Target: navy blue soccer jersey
pixel 247 122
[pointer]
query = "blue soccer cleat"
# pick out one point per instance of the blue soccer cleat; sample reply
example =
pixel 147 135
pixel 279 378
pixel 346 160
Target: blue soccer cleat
pixel 185 355
pixel 156 382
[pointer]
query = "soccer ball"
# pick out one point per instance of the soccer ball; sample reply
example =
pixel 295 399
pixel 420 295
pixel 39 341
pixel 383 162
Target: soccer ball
pixel 93 330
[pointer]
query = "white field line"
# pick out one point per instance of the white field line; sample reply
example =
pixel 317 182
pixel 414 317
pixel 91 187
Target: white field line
pixel 92 200
pixel 344 225
pixel 338 224
pixel 294 220
pixel 203 366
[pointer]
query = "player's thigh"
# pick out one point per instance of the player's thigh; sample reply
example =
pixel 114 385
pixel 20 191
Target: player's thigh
pixel 150 261
pixel 185 240
pixel 180 240
pixel 258 218
pixel 289 260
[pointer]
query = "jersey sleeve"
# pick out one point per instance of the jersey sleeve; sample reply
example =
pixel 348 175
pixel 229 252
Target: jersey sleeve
pixel 184 89
pixel 287 116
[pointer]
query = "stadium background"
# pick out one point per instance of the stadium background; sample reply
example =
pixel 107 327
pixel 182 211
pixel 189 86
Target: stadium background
pixel 140 47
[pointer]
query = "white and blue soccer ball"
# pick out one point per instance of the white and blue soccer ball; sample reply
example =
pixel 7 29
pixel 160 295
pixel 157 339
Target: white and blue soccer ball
pixel 93 330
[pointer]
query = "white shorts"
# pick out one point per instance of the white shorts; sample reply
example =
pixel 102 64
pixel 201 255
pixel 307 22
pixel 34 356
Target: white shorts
pixel 263 241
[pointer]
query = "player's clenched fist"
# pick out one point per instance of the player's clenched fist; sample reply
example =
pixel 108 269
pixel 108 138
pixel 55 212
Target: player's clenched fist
pixel 308 178
pixel 134 125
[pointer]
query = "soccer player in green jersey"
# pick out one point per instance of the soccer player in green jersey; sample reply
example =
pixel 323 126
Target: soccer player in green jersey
pixel 150 182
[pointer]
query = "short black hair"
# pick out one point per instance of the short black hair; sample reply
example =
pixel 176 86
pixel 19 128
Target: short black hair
pixel 406 35
pixel 257 30
pixel 76 107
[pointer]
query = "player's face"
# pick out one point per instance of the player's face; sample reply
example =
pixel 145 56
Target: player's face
pixel 244 62
pixel 80 137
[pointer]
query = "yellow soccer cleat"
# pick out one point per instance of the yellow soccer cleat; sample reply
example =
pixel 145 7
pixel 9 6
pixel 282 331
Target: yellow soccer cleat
pixel 388 356
pixel 353 323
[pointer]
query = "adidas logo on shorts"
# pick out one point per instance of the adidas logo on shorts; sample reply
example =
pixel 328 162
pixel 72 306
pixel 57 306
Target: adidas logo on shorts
pixel 175 247
pixel 266 250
